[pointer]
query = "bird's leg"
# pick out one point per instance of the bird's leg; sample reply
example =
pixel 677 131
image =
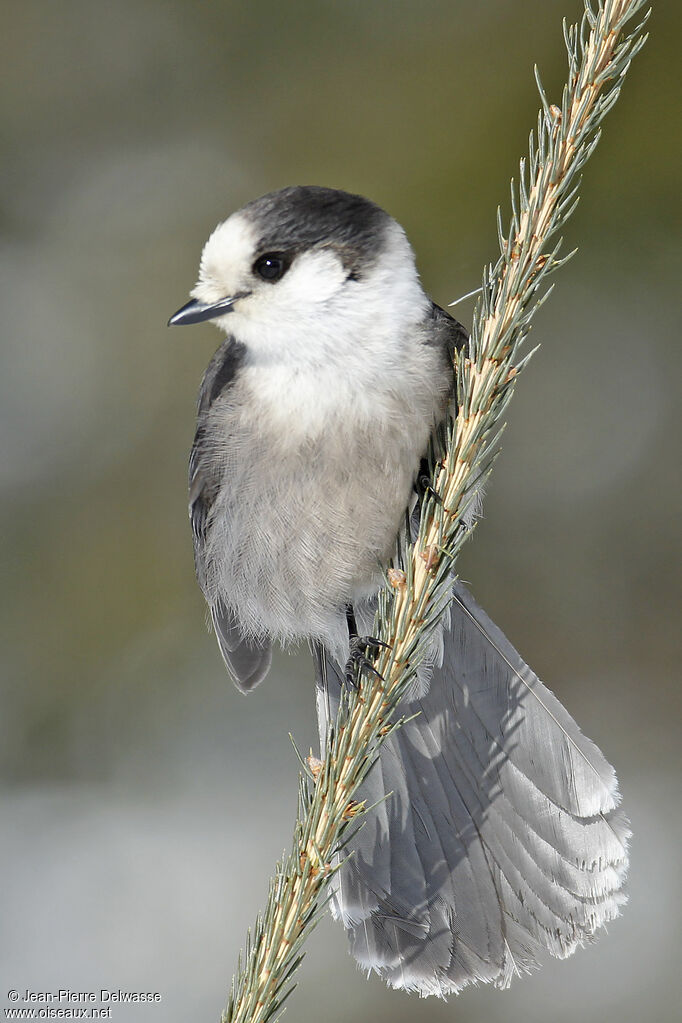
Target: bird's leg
pixel 359 645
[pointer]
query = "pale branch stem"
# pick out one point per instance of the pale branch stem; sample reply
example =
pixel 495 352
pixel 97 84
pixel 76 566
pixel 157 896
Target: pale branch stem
pixel 418 585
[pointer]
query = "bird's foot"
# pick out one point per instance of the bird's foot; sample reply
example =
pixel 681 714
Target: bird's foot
pixel 359 661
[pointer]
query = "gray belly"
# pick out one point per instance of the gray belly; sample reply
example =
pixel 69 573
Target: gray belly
pixel 300 529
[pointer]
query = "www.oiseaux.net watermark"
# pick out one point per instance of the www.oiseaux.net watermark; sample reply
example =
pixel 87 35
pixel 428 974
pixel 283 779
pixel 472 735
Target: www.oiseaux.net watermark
pixel 66 1003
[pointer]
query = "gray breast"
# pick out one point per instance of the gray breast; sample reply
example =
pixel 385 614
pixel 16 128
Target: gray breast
pixel 297 531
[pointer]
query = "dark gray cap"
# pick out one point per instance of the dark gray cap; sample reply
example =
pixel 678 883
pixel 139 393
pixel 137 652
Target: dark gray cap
pixel 302 217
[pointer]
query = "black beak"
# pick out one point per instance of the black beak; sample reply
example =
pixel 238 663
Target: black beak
pixel 196 311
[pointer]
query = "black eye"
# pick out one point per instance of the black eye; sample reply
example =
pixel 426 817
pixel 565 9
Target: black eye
pixel 272 266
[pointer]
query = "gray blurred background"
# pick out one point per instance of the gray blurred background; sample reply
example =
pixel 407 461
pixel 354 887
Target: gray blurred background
pixel 144 801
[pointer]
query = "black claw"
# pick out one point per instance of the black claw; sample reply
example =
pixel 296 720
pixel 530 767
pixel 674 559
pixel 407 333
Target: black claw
pixel 422 484
pixel 424 487
pixel 350 680
pixel 362 642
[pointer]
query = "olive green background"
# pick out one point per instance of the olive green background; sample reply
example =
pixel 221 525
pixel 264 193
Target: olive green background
pixel 144 801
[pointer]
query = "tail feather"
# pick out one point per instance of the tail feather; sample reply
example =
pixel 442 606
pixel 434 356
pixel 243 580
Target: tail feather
pixel 501 836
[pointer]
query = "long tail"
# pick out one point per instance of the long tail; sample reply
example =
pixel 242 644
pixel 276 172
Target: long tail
pixel 500 834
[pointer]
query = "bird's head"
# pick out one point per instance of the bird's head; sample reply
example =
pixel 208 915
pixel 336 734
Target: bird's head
pixel 303 268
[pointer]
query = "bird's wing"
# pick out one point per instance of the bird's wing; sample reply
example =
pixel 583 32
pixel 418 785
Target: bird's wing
pixel 446 332
pixel 246 660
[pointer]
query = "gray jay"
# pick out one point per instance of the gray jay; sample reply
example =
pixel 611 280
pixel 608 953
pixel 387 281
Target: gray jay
pixel 496 832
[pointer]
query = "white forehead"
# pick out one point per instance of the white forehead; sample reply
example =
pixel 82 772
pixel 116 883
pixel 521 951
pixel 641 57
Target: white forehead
pixel 230 249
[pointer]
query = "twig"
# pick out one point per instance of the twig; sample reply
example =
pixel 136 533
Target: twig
pixel 418 586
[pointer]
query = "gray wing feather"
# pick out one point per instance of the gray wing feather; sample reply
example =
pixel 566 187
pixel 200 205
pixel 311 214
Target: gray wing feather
pixel 501 836
pixel 446 332
pixel 247 661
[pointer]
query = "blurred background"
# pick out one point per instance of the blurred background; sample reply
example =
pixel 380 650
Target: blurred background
pixel 144 801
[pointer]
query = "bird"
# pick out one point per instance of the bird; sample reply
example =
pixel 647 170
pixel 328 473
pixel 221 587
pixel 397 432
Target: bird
pixel 496 833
